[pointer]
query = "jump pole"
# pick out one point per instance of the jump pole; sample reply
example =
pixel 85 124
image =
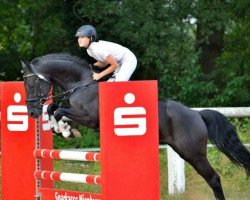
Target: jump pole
pixel 129 146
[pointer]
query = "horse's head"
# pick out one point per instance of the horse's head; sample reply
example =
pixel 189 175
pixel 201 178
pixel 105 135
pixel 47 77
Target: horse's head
pixel 37 88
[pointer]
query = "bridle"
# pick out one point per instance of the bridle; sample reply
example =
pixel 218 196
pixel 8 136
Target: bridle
pixel 40 96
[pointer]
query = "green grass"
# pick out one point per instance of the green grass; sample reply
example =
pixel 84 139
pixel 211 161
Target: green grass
pixel 235 184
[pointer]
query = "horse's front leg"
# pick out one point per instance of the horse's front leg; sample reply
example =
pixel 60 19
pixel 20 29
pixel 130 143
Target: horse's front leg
pixel 53 123
pixel 66 126
pixel 81 116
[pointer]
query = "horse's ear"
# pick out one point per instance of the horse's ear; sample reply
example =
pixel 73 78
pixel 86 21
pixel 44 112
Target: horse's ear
pixel 25 65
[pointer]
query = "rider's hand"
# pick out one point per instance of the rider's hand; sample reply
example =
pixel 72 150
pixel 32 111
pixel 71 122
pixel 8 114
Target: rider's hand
pixel 96 76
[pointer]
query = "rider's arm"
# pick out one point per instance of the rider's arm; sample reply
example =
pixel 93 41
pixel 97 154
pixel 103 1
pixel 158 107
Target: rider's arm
pixel 100 64
pixel 113 66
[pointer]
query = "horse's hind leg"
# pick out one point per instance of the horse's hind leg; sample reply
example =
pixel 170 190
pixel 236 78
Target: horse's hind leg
pixel 197 157
pixel 185 131
pixel 203 167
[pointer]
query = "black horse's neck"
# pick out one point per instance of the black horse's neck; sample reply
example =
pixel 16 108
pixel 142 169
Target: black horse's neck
pixel 64 70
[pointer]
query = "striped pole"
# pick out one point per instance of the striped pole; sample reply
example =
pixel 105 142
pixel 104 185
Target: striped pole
pixel 67 155
pixel 68 177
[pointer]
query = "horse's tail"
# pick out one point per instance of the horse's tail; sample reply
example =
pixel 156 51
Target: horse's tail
pixel 222 133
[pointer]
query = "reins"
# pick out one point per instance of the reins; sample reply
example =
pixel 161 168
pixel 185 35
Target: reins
pixel 68 92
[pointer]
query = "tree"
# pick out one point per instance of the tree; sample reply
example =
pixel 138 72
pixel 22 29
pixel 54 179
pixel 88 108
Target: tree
pixel 29 30
pixel 197 50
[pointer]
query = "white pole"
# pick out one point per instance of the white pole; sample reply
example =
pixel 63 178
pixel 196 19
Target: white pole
pixel 230 111
pixel 176 172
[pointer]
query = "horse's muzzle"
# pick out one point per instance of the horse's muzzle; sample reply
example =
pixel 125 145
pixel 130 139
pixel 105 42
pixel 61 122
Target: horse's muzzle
pixel 35 111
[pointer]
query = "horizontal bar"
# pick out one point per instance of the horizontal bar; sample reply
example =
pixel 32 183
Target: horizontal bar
pixel 165 146
pixel 67 155
pixel 230 111
pixel 68 177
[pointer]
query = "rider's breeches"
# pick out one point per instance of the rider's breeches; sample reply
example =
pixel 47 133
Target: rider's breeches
pixel 126 69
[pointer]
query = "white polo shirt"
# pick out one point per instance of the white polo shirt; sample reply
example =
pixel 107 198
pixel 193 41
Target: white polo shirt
pixel 102 49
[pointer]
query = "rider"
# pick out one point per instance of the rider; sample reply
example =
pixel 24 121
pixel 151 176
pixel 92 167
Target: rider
pixel 121 60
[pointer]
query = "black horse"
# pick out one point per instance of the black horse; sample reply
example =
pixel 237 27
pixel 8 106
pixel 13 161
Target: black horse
pixel 185 130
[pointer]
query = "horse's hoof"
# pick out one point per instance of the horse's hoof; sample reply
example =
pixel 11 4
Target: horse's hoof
pixel 76 133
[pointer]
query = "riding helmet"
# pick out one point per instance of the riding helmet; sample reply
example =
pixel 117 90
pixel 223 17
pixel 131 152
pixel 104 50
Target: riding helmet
pixel 88 31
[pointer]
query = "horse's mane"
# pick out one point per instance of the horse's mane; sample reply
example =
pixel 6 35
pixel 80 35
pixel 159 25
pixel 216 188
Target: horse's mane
pixel 60 56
